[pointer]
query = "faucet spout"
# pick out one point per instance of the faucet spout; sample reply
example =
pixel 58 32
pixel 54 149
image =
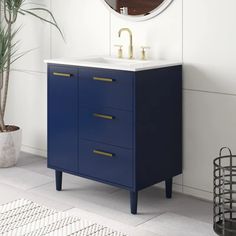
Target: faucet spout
pixel 131 54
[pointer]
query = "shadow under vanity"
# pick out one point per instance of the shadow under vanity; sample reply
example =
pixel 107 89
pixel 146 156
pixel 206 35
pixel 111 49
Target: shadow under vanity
pixel 121 127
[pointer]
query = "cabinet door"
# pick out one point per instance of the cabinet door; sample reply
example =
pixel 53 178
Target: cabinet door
pixel 62 118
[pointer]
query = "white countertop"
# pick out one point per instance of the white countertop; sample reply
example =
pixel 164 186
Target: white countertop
pixel 106 62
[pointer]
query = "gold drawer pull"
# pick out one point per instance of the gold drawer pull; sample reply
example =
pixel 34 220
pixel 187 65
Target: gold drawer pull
pixel 62 74
pixel 107 117
pixel 103 79
pixel 101 153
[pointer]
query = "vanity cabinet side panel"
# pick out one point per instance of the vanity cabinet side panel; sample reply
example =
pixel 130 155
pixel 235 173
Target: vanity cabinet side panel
pixel 63 118
pixel 158 123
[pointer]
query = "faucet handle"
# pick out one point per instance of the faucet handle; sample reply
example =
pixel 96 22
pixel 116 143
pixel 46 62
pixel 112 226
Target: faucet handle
pixel 143 52
pixel 120 52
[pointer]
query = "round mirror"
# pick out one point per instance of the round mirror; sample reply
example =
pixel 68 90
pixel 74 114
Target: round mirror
pixel 137 9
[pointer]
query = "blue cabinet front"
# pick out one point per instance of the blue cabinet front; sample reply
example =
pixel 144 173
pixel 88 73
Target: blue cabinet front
pixel 62 118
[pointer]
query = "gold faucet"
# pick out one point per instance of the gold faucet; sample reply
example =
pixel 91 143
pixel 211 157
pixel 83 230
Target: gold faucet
pixel 131 53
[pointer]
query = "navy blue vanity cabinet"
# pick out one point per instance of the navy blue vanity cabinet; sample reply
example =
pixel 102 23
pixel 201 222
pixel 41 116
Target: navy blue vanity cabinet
pixel 158 126
pixel 63 118
pixel 117 127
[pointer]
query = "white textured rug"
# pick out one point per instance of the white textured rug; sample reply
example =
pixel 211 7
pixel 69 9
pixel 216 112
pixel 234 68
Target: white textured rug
pixel 26 218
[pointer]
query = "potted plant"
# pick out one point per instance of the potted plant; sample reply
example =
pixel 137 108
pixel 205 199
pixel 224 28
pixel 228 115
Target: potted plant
pixel 10 135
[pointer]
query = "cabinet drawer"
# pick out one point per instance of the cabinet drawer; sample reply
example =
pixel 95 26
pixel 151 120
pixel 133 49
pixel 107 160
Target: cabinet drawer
pixel 106 125
pixel 106 162
pixel 108 88
pixel 62 72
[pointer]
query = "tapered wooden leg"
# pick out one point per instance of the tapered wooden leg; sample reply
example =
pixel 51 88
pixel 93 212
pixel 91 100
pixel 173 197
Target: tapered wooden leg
pixel 133 202
pixel 169 183
pixel 58 180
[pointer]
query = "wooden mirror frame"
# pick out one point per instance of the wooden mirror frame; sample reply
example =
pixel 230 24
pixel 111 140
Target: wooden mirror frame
pixel 152 14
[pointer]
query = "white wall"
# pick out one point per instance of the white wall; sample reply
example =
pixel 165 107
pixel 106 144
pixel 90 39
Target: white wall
pixel 201 33
pixel 27 101
pixel 85 25
pixel 209 55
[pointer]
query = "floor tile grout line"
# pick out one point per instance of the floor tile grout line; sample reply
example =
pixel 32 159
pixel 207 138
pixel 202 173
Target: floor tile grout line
pixel 38 149
pixel 39 186
pixel 202 190
pixel 156 216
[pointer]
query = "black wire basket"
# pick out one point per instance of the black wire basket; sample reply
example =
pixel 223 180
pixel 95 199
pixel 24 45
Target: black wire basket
pixel 225 194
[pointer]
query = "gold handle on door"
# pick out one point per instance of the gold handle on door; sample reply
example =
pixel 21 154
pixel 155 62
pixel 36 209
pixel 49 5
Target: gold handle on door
pixel 62 74
pixel 107 117
pixel 103 79
pixel 102 153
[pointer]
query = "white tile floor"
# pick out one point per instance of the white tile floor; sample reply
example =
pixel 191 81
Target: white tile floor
pixel 158 216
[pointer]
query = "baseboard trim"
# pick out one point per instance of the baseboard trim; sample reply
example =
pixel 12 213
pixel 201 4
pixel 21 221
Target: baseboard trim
pixel 34 151
pixel 190 191
pixel 198 193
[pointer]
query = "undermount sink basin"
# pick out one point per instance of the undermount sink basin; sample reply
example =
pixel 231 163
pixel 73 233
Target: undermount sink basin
pixel 116 61
pixel 113 63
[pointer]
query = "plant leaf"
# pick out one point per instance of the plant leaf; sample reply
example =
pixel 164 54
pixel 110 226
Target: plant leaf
pixel 53 22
